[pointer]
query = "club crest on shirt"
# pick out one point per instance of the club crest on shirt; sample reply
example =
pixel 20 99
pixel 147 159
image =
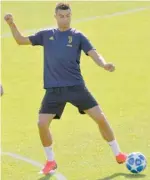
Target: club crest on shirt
pixel 69 41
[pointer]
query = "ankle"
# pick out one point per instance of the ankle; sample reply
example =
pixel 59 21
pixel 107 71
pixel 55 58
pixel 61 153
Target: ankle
pixel 49 153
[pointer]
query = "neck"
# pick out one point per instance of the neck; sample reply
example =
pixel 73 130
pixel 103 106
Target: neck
pixel 63 29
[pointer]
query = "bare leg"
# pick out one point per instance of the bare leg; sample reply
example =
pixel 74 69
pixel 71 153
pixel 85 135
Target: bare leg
pixel 45 134
pixel 43 126
pixel 98 116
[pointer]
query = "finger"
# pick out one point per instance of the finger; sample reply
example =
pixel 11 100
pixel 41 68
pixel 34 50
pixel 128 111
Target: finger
pixel 7 16
pixel 113 69
pixel 110 69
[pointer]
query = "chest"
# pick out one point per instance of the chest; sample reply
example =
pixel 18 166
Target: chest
pixel 62 42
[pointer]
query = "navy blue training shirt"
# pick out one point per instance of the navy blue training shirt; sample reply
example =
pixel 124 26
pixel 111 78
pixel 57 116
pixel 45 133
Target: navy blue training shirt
pixel 62 51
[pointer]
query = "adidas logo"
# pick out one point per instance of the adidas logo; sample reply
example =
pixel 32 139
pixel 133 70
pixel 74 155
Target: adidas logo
pixel 51 38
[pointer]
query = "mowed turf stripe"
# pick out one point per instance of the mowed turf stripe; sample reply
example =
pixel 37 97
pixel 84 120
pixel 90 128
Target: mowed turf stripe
pixel 120 13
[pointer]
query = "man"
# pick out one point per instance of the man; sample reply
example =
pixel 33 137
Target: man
pixel 63 80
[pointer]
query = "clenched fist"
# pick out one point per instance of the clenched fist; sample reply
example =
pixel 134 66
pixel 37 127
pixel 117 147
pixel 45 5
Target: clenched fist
pixel 8 18
pixel 109 67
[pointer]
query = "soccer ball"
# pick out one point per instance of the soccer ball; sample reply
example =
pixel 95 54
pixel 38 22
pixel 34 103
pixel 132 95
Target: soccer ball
pixel 136 162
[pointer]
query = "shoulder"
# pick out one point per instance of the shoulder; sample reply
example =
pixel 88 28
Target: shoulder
pixel 78 33
pixel 47 31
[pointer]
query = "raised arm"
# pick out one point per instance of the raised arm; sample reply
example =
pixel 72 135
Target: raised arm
pixel 20 39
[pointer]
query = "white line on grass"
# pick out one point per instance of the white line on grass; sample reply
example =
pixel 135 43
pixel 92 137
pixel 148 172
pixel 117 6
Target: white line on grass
pixel 16 156
pixel 6 35
pixel 59 176
pixel 111 15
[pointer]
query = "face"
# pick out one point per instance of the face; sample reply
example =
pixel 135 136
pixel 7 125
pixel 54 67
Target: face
pixel 63 18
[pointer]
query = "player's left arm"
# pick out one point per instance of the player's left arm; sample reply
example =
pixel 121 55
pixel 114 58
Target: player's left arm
pixel 100 61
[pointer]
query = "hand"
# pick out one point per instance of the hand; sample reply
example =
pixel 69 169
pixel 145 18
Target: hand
pixel 109 67
pixel 8 18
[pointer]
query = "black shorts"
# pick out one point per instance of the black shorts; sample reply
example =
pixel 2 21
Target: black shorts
pixel 56 98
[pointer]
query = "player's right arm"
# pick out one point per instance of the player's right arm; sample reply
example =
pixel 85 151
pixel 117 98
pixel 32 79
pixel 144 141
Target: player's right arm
pixel 20 39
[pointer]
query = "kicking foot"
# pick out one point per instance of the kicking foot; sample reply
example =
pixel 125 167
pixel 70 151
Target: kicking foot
pixel 121 158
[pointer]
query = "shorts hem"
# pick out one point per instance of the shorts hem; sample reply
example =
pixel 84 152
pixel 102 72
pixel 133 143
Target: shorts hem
pixel 81 111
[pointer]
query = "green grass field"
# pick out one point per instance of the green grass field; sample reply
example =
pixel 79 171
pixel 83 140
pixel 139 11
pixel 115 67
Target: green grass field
pixel 124 95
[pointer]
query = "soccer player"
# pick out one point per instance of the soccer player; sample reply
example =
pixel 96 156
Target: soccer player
pixel 63 81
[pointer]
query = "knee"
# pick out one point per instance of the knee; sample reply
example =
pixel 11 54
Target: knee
pixel 42 124
pixel 45 120
pixel 101 119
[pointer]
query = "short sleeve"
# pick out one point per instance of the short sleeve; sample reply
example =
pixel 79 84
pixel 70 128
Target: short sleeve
pixel 37 38
pixel 86 44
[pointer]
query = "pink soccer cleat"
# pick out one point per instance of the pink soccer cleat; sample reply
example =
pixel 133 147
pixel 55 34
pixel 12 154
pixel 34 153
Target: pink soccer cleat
pixel 121 158
pixel 49 167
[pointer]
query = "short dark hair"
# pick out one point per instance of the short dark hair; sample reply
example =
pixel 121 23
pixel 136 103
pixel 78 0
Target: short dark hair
pixel 62 6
